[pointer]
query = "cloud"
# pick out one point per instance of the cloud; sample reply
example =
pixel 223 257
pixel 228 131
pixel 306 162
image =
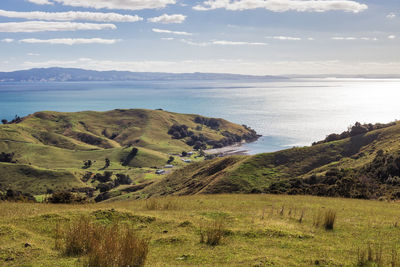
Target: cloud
pixel 41 2
pixel 391 16
pixel 286 38
pixel 168 38
pixel 226 66
pixel 71 15
pixel 69 41
pixel 392 37
pixel 42 26
pixel 190 42
pixel 167 19
pixel 284 5
pixel 236 43
pixel 338 38
pixel 33 54
pixel 171 32
pixel 7 40
pixel 118 4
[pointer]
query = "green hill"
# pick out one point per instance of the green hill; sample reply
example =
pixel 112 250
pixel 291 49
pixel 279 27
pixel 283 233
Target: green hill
pixel 363 165
pixel 136 142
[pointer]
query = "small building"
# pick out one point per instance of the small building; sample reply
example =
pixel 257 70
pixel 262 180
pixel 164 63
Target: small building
pixel 168 166
pixel 187 160
pixel 190 153
pixel 159 172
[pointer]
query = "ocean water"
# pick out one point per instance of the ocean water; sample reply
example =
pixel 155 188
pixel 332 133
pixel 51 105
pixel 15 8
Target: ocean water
pixel 287 113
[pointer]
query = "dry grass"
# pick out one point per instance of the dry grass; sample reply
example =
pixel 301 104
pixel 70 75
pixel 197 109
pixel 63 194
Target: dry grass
pixel 212 233
pixel 329 219
pixel 326 219
pixel 114 245
pixel 161 204
pixel 370 257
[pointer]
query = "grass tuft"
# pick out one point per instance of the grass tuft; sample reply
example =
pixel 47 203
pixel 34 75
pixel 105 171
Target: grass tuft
pixel 329 219
pixel 113 245
pixel 213 233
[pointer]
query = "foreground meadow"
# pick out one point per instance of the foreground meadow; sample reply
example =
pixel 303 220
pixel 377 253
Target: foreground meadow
pixel 256 230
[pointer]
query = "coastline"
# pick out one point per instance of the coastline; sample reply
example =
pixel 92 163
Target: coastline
pixel 231 150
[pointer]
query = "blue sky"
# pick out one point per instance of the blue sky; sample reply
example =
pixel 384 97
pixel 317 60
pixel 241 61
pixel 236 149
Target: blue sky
pixel 271 37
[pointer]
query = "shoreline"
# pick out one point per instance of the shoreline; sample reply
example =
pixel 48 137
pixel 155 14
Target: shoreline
pixel 231 150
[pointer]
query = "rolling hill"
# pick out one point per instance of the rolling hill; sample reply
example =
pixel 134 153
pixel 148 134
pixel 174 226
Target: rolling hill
pixel 365 165
pixel 49 150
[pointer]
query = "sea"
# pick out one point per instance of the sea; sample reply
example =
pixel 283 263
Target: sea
pixel 286 112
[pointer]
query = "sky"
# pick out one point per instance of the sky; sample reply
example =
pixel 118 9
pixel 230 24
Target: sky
pixel 260 37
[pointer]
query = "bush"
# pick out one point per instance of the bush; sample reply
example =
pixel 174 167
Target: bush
pixel 65 197
pixel 7 157
pixel 113 245
pixel 213 233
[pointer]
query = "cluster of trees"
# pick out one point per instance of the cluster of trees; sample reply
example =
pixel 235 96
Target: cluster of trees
pixel 17 119
pixel 212 123
pixel 179 131
pixel 16 196
pixel 7 157
pixel 354 130
pixel 87 164
pixel 130 156
pixel 65 197
pixel 199 141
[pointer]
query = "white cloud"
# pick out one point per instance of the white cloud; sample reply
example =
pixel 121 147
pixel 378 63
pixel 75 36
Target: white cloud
pixel 284 5
pixel 41 2
pixel 71 15
pixel 41 26
pixel 391 16
pixel 344 38
pixel 226 66
pixel 33 54
pixel 171 32
pixel 7 40
pixel 338 38
pixel 167 19
pixel 69 41
pixel 392 37
pixel 286 38
pixel 236 43
pixel 118 4
pixel 190 42
pixel 168 38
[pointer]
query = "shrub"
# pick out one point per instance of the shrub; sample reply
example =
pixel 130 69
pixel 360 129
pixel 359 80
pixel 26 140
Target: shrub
pixel 213 233
pixel 7 157
pixel 329 219
pixel 113 245
pixel 65 197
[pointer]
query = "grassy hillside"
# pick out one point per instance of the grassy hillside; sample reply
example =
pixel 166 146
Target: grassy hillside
pixel 56 144
pixel 362 166
pixel 258 230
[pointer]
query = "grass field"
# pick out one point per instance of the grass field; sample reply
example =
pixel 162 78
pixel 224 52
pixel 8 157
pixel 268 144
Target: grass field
pixel 258 230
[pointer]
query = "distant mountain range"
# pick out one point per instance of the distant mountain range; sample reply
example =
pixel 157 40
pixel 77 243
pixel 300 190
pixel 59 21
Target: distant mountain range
pixel 82 75
pixel 77 75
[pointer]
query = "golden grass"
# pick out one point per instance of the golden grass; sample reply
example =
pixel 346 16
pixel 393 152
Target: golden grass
pixel 212 233
pixel 258 234
pixel 114 245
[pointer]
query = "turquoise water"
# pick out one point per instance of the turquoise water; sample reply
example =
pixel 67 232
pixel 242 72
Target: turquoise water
pixel 287 112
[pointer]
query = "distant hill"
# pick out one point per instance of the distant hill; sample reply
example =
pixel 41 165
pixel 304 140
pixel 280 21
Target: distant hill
pixel 77 75
pixel 364 165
